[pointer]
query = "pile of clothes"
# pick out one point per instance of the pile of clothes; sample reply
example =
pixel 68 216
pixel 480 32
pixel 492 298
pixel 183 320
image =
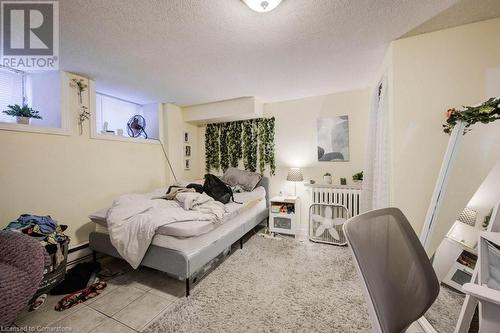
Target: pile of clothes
pixel 80 282
pixel 48 232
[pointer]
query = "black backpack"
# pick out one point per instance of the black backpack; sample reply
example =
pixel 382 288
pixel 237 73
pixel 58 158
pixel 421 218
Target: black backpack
pixel 216 188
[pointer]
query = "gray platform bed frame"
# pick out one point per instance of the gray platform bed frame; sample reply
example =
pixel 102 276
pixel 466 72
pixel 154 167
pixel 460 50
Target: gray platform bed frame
pixel 176 263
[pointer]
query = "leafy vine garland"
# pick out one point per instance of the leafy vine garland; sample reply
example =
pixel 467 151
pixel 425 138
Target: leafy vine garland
pixel 212 147
pixel 234 144
pixel 223 147
pixel 249 145
pixel 262 145
pixel 485 113
pixel 251 141
pixel 269 148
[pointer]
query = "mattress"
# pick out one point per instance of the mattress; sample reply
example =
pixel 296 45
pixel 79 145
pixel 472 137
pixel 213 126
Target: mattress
pixel 192 245
pixel 195 228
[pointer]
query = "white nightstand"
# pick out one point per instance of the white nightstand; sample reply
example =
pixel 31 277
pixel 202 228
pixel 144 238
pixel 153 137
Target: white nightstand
pixel 284 215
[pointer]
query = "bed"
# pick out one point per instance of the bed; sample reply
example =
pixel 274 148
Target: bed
pixel 186 252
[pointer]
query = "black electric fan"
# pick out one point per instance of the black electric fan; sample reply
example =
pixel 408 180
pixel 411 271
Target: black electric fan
pixel 136 127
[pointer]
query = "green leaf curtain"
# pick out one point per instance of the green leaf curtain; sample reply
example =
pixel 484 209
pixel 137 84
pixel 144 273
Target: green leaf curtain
pixel 251 141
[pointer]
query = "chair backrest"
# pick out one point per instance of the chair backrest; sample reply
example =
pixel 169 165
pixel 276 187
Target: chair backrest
pixel 399 282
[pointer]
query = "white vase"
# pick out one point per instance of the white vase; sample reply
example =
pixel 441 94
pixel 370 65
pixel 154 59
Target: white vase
pixel 23 120
pixel 327 179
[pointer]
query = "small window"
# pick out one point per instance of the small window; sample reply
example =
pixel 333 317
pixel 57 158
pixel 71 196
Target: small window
pixel 11 91
pixel 41 91
pixel 113 114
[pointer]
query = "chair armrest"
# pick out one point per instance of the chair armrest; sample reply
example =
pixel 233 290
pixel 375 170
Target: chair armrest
pixel 482 293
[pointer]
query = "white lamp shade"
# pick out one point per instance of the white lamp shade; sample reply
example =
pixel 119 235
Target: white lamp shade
pixel 262 6
pixel 295 175
pixel 468 216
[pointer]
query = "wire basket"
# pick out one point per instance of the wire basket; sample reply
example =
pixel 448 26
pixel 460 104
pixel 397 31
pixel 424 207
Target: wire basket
pixel 325 223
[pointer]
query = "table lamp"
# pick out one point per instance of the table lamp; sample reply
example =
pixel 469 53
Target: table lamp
pixel 295 175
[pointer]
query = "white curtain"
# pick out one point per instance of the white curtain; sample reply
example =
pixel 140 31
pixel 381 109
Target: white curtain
pixel 376 178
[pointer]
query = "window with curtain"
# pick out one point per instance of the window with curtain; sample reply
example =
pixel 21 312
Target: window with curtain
pixel 11 91
pixel 376 180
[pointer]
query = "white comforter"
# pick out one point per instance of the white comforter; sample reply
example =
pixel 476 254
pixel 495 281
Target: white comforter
pixel 134 218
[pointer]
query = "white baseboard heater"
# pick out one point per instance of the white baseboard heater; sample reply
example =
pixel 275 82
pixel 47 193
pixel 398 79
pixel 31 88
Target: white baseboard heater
pixel 347 196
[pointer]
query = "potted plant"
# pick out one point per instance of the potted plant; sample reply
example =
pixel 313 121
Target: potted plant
pixel 358 177
pixel 327 178
pixel 22 113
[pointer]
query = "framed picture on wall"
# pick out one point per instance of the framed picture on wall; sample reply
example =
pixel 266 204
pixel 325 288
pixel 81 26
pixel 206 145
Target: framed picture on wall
pixel 333 139
pixel 187 150
pixel 186 136
pixel 187 164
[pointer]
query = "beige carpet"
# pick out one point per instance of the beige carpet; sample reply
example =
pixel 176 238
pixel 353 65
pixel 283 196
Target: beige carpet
pixel 276 286
pixel 444 313
pixel 271 286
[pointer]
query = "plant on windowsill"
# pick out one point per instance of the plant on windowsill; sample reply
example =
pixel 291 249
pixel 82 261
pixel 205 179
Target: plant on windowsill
pixel 23 113
pixel 358 177
pixel 327 178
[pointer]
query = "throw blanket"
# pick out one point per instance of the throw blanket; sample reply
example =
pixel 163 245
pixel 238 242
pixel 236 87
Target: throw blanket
pixel 134 218
pixel 201 203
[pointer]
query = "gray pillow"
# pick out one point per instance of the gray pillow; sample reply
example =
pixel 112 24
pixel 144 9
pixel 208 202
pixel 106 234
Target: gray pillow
pixel 246 179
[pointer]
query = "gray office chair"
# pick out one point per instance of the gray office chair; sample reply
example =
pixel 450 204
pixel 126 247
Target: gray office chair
pixel 399 282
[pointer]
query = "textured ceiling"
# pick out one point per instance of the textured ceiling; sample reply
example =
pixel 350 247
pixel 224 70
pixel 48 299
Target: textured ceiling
pixel 196 51
pixel 463 12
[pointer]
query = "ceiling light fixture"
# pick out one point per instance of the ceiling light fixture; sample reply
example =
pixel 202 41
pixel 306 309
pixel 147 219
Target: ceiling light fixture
pixel 262 6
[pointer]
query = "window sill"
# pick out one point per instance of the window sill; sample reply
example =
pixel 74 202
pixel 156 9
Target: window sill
pixel 113 137
pixel 33 129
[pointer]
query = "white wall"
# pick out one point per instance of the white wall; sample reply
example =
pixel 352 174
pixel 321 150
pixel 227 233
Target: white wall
pixel 432 73
pixel 296 139
pixel 174 128
pixel 223 111
pixel 150 113
pixel 43 91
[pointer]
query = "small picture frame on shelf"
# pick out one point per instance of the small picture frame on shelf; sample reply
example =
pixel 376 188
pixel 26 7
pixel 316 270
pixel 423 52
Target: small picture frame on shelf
pixel 187 150
pixel 187 164
pixel 186 137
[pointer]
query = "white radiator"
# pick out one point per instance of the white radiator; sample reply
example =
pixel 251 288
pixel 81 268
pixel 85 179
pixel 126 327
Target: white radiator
pixel 347 197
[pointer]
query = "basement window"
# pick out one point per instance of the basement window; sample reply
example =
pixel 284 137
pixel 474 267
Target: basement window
pixel 41 91
pixel 113 115
pixel 11 91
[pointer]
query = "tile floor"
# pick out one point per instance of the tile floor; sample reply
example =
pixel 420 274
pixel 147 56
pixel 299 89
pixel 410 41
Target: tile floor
pixel 130 302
